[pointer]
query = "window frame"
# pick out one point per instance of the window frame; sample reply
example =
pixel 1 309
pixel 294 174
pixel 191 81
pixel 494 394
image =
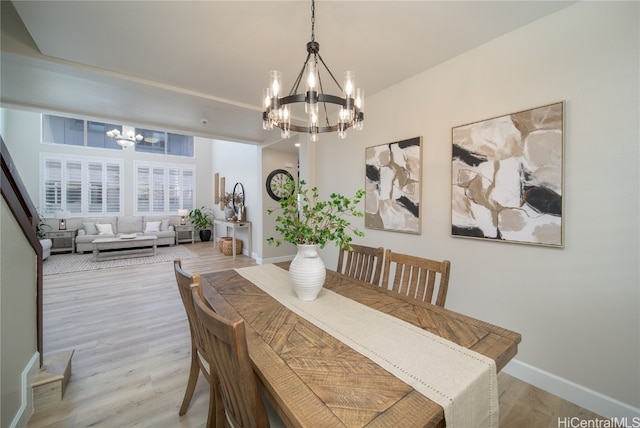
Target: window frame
pixel 65 180
pixel 172 143
pixel 166 189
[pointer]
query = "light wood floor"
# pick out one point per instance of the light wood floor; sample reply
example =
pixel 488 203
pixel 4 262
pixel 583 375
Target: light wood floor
pixel 131 340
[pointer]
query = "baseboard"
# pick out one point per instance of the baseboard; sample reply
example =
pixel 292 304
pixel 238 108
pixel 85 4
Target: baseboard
pixel 26 379
pixel 584 397
pixel 275 259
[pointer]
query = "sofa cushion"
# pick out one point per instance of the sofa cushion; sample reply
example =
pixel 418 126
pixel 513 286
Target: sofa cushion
pixel 89 228
pixel 104 229
pixel 152 226
pixel 129 224
pixel 102 220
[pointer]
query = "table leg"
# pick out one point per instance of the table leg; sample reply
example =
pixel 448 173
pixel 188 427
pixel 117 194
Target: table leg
pixel 233 242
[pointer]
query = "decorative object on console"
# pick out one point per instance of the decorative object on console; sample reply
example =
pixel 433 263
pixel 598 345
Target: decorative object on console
pixel 183 216
pixel 507 177
pixel 393 186
pixel 306 222
pixel 229 201
pixel 278 107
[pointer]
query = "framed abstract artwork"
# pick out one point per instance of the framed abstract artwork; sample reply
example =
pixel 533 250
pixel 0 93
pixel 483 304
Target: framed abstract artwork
pixel 507 177
pixel 393 186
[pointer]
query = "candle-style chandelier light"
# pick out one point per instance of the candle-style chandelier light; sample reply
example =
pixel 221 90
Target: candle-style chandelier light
pixel 278 107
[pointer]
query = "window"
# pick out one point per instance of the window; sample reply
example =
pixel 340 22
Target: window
pixel 162 143
pixel 81 186
pixel 97 135
pixel 152 141
pixel 62 130
pixel 163 188
pixel 88 133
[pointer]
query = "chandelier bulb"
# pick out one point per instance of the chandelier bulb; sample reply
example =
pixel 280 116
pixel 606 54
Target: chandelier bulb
pixel 276 83
pixel 349 83
pixel 312 75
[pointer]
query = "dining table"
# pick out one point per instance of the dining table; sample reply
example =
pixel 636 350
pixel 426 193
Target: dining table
pixel 313 379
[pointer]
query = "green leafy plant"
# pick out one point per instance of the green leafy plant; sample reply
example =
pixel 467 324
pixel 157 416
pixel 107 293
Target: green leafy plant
pixel 41 229
pixel 303 219
pixel 201 218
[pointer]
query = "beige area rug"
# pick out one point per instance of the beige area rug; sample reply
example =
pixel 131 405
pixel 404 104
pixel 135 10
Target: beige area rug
pixel 64 263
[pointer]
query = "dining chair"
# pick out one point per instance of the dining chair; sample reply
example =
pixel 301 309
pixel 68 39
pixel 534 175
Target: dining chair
pixel 419 278
pixel 227 344
pixel 363 263
pixel 200 357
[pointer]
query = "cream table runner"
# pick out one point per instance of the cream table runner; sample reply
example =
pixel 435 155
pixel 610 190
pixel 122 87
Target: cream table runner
pixel 462 381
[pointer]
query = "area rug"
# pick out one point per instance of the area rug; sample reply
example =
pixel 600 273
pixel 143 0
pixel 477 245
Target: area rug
pixel 64 263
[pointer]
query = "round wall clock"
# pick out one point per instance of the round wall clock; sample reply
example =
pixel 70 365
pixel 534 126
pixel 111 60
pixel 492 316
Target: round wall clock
pixel 275 182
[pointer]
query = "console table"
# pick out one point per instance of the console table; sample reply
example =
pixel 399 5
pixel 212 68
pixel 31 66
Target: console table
pixel 234 225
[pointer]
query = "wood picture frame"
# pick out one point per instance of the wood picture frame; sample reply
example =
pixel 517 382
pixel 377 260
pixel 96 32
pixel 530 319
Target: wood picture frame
pixel 507 178
pixel 393 186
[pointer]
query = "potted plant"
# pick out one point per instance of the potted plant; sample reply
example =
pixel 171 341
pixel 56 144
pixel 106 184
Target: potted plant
pixel 307 222
pixel 41 229
pixel 202 219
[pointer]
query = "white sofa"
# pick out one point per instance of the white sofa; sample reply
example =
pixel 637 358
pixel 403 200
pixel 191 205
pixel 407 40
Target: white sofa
pixel 88 229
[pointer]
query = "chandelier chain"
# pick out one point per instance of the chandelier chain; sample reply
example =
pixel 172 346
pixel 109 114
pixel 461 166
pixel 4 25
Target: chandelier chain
pixel 313 20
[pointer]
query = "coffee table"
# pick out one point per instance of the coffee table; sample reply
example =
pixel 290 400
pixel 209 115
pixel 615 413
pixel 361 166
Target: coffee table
pixel 121 248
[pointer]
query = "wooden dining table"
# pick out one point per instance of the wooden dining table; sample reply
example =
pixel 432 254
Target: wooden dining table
pixel 314 380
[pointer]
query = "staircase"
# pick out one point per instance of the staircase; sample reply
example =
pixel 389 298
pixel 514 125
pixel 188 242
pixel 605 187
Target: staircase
pixel 50 383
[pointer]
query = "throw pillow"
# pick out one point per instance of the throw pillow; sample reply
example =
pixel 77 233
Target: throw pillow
pixel 164 226
pixel 152 226
pixel 104 229
pixel 90 228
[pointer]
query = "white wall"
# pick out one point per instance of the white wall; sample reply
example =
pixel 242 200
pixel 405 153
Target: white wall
pixel 273 159
pixel 238 163
pixel 577 308
pixel 19 362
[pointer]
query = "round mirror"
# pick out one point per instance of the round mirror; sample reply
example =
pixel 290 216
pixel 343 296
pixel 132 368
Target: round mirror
pixel 238 195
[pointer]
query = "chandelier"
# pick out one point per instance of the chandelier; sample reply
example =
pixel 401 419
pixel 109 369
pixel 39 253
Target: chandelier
pixel 278 107
pixel 125 140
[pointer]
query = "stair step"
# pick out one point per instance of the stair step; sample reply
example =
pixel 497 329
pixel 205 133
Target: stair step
pixel 50 383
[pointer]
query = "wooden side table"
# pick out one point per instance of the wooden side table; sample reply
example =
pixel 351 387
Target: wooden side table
pixel 185 233
pixel 62 240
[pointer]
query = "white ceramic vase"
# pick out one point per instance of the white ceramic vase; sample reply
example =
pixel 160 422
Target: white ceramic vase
pixel 307 273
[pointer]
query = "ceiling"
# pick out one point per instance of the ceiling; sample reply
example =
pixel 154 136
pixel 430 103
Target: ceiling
pixel 171 64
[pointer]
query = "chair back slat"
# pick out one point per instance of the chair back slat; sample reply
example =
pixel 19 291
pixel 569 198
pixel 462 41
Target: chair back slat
pixel 417 277
pixel 184 281
pixel 226 339
pixel 362 262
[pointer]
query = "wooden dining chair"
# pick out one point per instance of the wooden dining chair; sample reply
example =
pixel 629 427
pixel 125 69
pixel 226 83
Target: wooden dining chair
pixel 363 263
pixel 419 278
pixel 227 343
pixel 200 357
